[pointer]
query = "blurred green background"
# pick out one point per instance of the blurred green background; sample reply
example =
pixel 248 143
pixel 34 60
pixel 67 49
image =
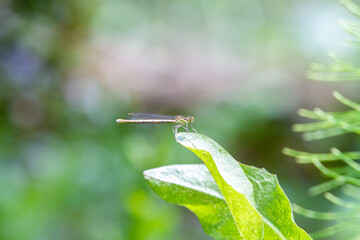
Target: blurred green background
pixel 69 68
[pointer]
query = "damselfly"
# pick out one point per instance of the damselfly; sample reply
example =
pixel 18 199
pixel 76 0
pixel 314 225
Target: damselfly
pixel 155 118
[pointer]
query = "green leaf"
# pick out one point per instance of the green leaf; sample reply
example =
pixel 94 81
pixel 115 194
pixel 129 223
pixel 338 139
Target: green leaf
pixel 255 200
pixel 351 6
pixel 192 186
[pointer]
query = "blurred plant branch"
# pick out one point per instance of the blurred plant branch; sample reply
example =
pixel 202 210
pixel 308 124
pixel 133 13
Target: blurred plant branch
pixel 329 124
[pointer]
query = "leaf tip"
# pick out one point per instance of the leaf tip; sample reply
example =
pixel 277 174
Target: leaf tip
pixel 286 151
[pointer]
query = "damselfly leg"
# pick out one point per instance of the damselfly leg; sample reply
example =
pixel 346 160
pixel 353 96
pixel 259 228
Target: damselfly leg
pixel 193 128
pixel 175 128
pixel 186 127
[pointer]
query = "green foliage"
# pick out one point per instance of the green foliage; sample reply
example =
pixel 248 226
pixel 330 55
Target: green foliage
pixel 191 185
pixel 341 69
pixel 346 174
pixel 328 123
pixel 232 200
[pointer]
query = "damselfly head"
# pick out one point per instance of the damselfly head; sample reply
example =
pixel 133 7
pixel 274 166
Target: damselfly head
pixel 191 119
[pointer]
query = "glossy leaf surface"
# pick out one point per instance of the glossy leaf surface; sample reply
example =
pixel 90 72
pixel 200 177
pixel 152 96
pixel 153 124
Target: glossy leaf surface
pixel 248 199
